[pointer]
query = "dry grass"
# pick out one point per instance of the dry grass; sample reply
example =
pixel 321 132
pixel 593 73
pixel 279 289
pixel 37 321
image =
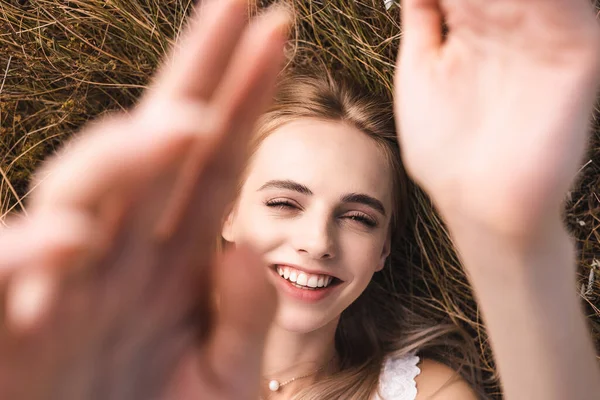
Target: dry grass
pixel 64 62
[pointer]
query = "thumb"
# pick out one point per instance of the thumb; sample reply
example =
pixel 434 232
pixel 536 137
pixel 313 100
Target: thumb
pixel 247 303
pixel 421 27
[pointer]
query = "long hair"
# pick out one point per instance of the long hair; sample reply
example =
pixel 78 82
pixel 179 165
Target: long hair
pixel 383 322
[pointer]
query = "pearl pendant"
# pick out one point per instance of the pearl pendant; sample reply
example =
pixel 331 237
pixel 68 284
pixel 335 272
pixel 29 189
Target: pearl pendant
pixel 274 385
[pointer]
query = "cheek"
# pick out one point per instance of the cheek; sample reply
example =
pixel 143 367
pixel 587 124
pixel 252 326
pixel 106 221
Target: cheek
pixel 253 227
pixel 362 270
pixel 362 255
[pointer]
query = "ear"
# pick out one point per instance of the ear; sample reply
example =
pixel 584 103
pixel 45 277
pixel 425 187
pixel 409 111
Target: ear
pixel 387 246
pixel 227 227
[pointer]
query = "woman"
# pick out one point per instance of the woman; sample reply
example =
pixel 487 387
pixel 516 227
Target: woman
pixel 324 201
pixel 137 229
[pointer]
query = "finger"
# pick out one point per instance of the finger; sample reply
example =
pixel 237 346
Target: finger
pixel 194 71
pixel 422 27
pixel 197 63
pixel 249 83
pixel 33 253
pixel 112 155
pixel 207 185
pixel 247 303
pixel 53 237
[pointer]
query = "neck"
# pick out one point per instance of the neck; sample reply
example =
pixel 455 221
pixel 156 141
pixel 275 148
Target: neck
pixel 289 354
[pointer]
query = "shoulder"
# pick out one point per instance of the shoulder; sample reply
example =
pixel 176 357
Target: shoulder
pixel 438 381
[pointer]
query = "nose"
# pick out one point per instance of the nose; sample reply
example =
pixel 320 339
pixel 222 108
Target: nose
pixel 316 239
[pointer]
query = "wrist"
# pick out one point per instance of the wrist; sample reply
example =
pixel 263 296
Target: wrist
pixel 487 253
pixel 466 229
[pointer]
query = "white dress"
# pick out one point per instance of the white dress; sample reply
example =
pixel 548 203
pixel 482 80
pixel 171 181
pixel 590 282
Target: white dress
pixel 397 380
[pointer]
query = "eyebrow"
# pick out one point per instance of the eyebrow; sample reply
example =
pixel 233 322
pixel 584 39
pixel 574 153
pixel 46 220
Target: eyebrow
pixel 360 198
pixel 288 185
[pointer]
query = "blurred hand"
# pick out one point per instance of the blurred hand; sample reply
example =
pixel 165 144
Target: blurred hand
pixel 107 289
pixel 493 121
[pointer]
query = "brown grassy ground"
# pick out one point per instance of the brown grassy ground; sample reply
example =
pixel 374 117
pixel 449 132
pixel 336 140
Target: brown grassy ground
pixel 64 62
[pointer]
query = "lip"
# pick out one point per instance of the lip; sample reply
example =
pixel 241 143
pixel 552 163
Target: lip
pixel 304 295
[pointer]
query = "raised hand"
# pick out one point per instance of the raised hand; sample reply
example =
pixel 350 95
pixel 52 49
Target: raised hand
pixel 107 289
pixel 493 120
pixel 493 125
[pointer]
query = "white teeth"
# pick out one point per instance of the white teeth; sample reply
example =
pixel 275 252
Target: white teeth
pixel 304 287
pixel 320 281
pixel 302 279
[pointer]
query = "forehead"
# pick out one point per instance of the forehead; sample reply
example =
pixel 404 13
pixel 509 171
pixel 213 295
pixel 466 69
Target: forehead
pixel 329 157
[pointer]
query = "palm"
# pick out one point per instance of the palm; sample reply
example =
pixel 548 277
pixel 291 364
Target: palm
pixel 117 329
pixel 493 121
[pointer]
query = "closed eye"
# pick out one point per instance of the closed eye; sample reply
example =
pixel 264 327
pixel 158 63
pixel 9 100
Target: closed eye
pixel 361 218
pixel 281 204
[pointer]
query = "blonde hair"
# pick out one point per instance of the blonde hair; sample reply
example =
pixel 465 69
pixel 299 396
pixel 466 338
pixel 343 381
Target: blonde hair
pixel 382 322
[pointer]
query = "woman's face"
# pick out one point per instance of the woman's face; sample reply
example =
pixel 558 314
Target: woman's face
pixel 317 204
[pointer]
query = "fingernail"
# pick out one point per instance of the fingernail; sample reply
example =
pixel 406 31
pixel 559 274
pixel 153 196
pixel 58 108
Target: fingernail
pixel 28 298
pixel 285 18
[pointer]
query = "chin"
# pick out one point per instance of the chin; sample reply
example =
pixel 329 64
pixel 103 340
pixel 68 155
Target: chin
pixel 302 321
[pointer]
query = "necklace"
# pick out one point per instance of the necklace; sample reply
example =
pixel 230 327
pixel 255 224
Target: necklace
pixel 275 385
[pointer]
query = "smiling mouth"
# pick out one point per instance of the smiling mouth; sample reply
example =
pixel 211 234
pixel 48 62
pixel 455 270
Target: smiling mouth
pixel 303 280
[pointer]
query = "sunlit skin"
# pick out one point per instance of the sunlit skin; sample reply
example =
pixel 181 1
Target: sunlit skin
pixel 318 197
pixel 493 123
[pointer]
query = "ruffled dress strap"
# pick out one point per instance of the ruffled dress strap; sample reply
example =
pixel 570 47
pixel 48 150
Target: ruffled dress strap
pixel 397 379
